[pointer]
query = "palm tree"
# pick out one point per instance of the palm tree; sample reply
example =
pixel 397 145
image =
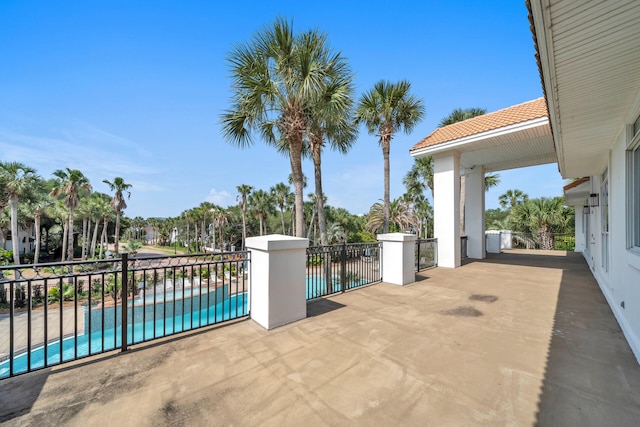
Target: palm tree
pixel 459 115
pixel 37 209
pixel 262 205
pixel 491 180
pixel 118 204
pixel 291 203
pixel 512 198
pixel 17 179
pixel 540 216
pixel 221 219
pixel 335 234
pixel 275 78
pixel 400 216
pixel 420 176
pixel 280 192
pixel 385 110
pixel 330 120
pixel 243 192
pixel 70 182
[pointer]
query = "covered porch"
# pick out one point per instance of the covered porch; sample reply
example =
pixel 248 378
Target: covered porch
pixel 521 338
pixel 463 152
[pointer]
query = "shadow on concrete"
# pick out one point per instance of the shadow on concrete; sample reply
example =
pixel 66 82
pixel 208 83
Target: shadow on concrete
pixel 548 259
pixel 321 306
pixel 591 375
pixel 18 394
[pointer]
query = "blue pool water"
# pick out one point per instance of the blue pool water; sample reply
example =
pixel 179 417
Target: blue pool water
pixel 97 342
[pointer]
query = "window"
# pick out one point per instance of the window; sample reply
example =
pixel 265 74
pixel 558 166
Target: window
pixel 633 187
pixel 604 223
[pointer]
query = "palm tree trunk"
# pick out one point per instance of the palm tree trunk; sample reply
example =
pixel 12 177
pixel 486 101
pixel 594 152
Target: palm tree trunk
pixel 282 218
pixel 244 230
pixel 221 240
pixel 15 238
pixel 65 234
pixel 317 169
pixel 386 200
pixel 94 240
pixel 70 238
pixel 116 238
pixel 313 218
pixel 295 156
pixel 103 238
pixel 36 255
pixel 85 227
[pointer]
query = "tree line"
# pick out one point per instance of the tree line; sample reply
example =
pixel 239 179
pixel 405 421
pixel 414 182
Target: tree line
pixel 57 205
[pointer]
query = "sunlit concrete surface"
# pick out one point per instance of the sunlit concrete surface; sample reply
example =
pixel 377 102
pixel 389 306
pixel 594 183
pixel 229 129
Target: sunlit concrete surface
pixel 520 338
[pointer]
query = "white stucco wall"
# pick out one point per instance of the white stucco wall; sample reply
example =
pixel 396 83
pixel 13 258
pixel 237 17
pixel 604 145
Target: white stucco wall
pixel 621 284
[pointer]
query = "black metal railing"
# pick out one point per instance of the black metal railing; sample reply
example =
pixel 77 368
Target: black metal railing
pixel 337 268
pixel 549 241
pixel 59 312
pixel 426 253
pixel 463 246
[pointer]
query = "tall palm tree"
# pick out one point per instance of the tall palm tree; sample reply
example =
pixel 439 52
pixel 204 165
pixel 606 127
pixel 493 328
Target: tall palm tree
pixel 280 192
pixel 17 180
pixel 243 192
pixel 118 204
pixel 70 183
pixel 512 198
pixel 275 78
pixel 385 110
pixel 330 120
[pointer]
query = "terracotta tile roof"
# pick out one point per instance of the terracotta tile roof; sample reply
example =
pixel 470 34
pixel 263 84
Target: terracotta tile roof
pixel 575 183
pixel 491 121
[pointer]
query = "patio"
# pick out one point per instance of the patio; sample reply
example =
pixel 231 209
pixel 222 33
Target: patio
pixel 519 338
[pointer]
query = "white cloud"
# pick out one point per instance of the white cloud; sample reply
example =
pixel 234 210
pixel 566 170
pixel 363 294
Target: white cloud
pixel 221 198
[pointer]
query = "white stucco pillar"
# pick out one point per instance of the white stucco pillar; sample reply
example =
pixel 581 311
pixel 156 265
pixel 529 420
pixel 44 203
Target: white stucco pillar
pixel 580 228
pixel 446 206
pixel 474 213
pixel 277 294
pixel 398 258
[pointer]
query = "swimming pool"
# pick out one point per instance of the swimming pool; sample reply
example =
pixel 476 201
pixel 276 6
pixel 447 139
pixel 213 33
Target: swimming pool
pixel 98 342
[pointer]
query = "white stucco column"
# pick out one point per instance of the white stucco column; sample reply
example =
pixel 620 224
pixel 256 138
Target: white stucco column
pixel 446 206
pixel 579 227
pixel 277 294
pixel 474 213
pixel 398 258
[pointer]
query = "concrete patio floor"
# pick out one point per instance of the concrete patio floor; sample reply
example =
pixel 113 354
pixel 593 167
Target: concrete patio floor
pixel 521 338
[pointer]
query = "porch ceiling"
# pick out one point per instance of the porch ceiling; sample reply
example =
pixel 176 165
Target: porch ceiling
pixel 590 64
pixel 523 144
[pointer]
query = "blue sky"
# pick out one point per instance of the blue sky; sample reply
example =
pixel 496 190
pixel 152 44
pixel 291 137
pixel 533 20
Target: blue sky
pixel 135 89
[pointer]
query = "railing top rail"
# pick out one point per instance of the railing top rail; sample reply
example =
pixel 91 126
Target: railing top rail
pixel 68 268
pixel 348 246
pixel 427 240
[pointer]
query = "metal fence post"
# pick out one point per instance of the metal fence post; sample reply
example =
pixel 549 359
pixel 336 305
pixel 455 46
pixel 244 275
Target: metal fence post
pixel 125 296
pixel 343 266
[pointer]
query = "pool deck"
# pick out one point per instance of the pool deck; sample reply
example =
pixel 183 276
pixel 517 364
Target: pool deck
pixel 521 338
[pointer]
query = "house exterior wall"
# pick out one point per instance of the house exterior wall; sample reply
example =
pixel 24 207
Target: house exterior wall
pixel 26 240
pixel 620 282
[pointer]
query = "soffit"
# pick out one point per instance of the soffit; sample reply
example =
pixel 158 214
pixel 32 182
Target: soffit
pixel 589 53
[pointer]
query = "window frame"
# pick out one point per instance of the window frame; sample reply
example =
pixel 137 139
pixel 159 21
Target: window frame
pixel 633 187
